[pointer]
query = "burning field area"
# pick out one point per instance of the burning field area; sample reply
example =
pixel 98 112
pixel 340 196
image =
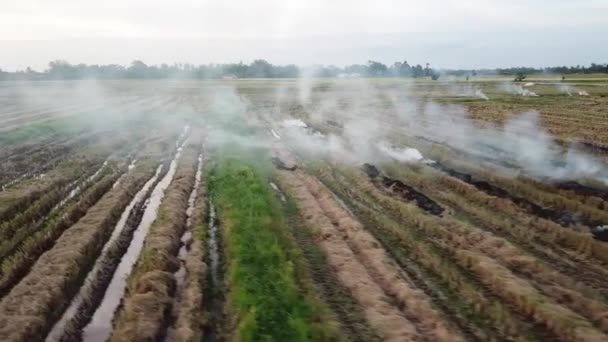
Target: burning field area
pixel 325 210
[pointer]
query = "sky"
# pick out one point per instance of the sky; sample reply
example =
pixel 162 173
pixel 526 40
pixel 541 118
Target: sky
pixel 445 33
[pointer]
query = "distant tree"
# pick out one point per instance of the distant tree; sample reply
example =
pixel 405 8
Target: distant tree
pixel 427 69
pixel 406 70
pixel 60 69
pixel 377 69
pixel 260 69
pixel 417 71
pixel 138 69
pixel 394 69
pixel 356 69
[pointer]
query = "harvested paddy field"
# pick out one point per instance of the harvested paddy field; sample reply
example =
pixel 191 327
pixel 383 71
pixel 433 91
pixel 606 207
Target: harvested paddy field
pixel 281 210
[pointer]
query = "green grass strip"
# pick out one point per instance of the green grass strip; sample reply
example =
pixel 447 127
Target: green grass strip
pixel 264 302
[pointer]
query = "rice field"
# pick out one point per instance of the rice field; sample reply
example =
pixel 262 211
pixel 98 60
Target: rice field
pixel 304 210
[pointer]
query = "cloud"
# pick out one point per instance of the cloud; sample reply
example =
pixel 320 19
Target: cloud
pixel 447 33
pixel 29 19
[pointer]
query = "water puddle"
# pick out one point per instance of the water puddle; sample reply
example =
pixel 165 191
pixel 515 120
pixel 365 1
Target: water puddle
pixel 59 328
pixel 76 188
pixel 212 246
pixel 105 163
pixel 13 182
pixel 185 240
pixel 187 236
pixel 281 194
pixel 100 327
pixel 275 134
pixel 129 168
pixel 182 136
pixel 132 165
pixel 213 300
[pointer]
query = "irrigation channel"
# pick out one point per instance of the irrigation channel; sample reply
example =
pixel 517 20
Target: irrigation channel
pixel 213 300
pixel 90 314
pixel 185 241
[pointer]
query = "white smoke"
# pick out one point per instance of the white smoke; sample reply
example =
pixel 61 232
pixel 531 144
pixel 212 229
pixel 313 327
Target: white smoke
pixel 565 89
pixel 405 155
pixel 516 89
pixel 570 89
pixel 468 91
pixel 522 141
pixel 368 130
pixel 294 123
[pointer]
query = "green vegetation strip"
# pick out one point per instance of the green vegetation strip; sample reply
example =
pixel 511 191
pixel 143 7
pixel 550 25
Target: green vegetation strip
pixel 264 300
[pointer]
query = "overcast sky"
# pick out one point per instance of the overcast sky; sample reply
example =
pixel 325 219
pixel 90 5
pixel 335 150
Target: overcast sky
pixel 446 33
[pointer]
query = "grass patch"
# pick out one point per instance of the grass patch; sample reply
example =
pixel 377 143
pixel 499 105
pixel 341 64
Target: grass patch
pixel 264 300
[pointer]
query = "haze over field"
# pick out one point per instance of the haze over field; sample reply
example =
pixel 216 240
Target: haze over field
pixel 445 33
pixel 303 171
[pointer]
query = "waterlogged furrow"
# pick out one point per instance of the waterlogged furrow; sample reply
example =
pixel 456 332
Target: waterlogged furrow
pixel 36 217
pixel 100 327
pixel 213 303
pixel 30 308
pixel 152 281
pixel 187 240
pixel 25 247
pixel 79 310
pixel 28 203
pixel 187 311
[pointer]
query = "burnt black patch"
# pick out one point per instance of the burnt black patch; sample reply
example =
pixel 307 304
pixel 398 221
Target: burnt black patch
pixel 564 219
pixel 410 194
pixel 402 190
pixel 600 233
pixel 581 189
pixel 371 170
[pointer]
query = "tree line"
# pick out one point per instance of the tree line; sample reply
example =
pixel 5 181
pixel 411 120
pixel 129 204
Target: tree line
pixel 593 68
pixel 62 70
